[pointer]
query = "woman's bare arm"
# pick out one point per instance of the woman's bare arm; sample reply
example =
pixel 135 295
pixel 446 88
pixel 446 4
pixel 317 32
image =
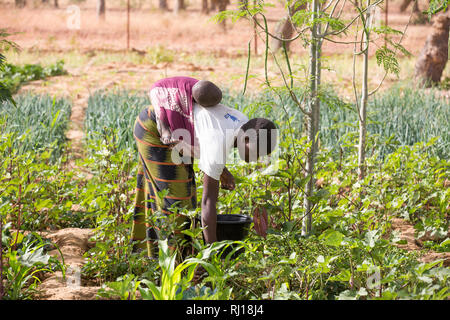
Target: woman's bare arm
pixel 209 210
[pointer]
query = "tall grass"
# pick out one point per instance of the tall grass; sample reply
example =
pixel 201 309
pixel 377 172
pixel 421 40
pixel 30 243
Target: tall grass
pixel 45 119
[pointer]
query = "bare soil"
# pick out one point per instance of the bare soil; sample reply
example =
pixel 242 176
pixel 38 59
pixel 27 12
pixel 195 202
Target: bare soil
pixel 73 243
pixel 407 232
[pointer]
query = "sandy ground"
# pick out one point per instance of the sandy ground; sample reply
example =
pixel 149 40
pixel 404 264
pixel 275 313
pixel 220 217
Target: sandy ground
pixel 407 230
pixel 190 31
pixel 73 243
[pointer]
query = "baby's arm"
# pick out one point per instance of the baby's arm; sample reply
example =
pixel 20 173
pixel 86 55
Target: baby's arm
pixel 161 118
pixel 166 135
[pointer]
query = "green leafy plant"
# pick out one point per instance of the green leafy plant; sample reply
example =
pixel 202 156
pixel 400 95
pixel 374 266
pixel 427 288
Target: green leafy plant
pixel 24 264
pixel 13 76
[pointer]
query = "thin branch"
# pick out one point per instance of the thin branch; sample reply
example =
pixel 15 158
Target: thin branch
pixel 341 10
pixel 253 17
pixel 325 7
pixel 348 42
pixel 291 92
pixel 248 67
pixel 334 33
pixel 395 49
pixel 354 71
pixel 330 15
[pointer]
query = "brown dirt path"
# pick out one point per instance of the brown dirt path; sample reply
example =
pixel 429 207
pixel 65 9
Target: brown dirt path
pixel 73 243
pixel 407 232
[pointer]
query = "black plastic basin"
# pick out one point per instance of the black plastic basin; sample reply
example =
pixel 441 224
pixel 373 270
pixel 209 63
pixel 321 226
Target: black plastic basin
pixel 232 226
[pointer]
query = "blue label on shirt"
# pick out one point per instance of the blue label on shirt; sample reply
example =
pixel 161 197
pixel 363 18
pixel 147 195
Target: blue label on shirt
pixel 229 116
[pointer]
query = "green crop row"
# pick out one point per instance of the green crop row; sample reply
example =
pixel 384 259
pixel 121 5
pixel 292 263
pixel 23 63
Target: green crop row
pixel 43 118
pixel 114 111
pixel 398 117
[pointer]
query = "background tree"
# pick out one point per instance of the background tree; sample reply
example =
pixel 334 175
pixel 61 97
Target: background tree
pixel 5 45
pixel 179 6
pixel 55 3
pixel 101 9
pixel 20 3
pixel 418 16
pixel 434 55
pixel 205 8
pixel 285 29
pixel 163 5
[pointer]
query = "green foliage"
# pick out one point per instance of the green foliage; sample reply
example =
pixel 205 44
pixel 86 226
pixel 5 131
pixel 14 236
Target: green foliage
pixel 26 258
pixel 403 115
pixel 13 76
pixel 351 252
pixel 5 45
pixel 125 288
pixel 160 54
pixel 38 123
pixel 35 193
pixel 387 58
pixel 107 200
pixel 114 110
pixel 436 6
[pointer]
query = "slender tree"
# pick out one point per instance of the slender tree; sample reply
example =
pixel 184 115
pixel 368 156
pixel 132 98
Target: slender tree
pixel 179 6
pixel 205 8
pixel 101 9
pixel 312 127
pixel 362 112
pixel 317 21
pixel 20 3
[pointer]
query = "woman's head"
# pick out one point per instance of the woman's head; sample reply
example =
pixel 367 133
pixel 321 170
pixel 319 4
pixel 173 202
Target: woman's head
pixel 256 138
pixel 206 93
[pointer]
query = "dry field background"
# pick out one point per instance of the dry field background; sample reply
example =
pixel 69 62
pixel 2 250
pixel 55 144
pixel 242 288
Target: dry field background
pixel 165 44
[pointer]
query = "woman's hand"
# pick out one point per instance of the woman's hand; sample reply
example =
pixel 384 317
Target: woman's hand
pixel 227 180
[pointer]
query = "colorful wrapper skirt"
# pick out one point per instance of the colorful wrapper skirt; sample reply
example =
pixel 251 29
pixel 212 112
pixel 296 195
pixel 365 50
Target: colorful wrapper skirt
pixel 163 187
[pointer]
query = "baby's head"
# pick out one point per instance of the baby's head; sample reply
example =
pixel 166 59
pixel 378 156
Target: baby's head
pixel 206 93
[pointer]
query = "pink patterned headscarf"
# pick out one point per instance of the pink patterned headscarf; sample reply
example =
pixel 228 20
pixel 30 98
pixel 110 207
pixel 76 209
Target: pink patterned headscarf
pixel 173 98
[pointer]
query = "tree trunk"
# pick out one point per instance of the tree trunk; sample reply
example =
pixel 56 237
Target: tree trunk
pixel 434 55
pixel 285 29
pixel 20 3
pixel 179 6
pixel 213 5
pixel 312 121
pixel 364 97
pixel 222 6
pixel 417 16
pixel 405 5
pixel 55 3
pixel 101 9
pixel 163 5
pixel 205 8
